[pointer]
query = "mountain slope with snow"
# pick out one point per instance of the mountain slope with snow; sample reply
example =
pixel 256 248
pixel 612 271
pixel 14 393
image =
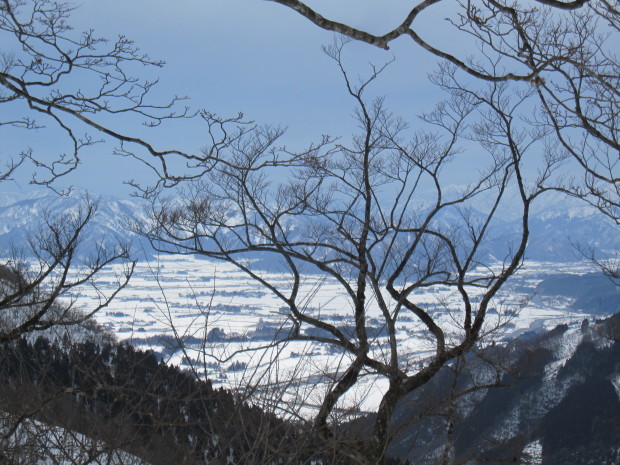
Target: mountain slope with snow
pixel 558 223
pixel 24 216
pixel 556 402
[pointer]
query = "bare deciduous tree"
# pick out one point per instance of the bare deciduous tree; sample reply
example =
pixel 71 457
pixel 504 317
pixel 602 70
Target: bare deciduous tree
pixel 87 88
pixel 83 86
pixel 375 219
pixel 502 29
pixel 51 76
pixel 566 50
pixel 40 284
pixel 34 441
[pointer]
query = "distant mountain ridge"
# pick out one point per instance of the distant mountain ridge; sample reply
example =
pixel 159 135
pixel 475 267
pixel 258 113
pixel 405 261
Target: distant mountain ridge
pixel 22 215
pixel 557 224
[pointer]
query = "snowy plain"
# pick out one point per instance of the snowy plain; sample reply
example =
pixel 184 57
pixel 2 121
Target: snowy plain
pixel 227 323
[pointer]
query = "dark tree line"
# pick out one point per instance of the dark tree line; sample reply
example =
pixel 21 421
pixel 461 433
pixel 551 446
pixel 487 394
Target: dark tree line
pixel 130 400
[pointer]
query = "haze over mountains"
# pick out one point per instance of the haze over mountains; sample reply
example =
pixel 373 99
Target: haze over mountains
pixel 558 223
pixel 22 215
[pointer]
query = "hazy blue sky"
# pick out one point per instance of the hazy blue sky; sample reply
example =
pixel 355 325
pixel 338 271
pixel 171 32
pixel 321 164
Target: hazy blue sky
pixel 252 56
pixel 256 57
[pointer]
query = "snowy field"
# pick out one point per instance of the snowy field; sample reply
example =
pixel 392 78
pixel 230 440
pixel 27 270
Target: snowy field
pixel 228 322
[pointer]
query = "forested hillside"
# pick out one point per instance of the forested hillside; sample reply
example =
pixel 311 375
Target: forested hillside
pixel 556 401
pixel 545 399
pixel 128 400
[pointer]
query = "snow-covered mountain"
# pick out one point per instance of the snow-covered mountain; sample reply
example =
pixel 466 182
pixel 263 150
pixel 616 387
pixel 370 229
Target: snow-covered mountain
pixel 558 403
pixel 558 223
pixel 24 215
pixel 551 398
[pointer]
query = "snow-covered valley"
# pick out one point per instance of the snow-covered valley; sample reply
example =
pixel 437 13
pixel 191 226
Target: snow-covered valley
pixel 227 322
pixel 212 318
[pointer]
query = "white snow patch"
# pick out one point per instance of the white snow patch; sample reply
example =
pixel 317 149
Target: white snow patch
pixel 563 349
pixel 615 381
pixel 532 454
